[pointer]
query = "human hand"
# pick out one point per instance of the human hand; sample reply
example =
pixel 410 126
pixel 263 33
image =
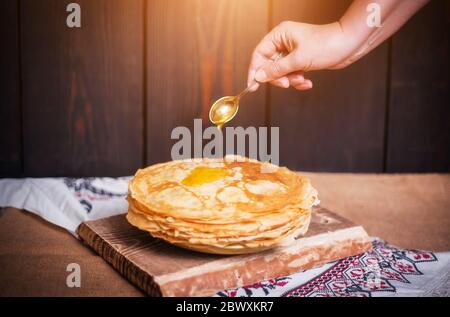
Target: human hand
pixel 306 47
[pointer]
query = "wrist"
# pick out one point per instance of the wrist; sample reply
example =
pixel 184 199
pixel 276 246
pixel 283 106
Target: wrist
pixel 341 44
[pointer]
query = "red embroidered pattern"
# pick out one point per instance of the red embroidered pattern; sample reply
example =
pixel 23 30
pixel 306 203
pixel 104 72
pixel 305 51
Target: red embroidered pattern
pixel 359 275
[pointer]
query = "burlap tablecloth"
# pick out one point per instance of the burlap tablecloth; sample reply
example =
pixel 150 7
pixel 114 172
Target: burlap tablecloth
pixel 410 211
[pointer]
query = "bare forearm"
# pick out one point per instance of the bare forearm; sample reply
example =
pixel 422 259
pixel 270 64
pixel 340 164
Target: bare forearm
pixel 309 47
pixel 363 38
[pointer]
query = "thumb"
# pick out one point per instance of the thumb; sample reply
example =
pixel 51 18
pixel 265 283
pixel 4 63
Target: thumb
pixel 276 69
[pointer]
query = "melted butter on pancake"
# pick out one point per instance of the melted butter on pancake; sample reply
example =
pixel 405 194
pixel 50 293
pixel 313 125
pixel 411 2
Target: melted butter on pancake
pixel 232 194
pixel 204 174
pixel 177 197
pixel 263 187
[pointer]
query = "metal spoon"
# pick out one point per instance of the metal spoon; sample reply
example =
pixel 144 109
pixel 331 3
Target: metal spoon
pixel 225 108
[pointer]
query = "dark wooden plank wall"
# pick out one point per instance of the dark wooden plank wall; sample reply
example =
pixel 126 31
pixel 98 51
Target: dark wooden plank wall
pixel 10 112
pixel 198 51
pixel 103 99
pixel 419 107
pixel 82 88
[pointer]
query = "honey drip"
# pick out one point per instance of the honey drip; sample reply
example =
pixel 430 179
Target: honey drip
pixel 203 174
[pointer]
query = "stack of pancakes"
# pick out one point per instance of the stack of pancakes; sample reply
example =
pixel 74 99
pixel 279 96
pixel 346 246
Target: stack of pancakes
pixel 225 206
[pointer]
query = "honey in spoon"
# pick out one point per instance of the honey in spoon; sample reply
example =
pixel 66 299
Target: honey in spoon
pixel 225 108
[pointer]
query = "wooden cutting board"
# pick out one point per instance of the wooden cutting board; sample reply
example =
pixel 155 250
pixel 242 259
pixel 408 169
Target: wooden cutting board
pixel 161 269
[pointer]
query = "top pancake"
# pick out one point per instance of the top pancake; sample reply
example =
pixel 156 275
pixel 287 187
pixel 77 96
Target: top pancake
pixel 219 190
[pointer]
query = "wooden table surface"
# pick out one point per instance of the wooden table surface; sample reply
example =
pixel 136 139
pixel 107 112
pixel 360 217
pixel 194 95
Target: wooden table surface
pixel 410 211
